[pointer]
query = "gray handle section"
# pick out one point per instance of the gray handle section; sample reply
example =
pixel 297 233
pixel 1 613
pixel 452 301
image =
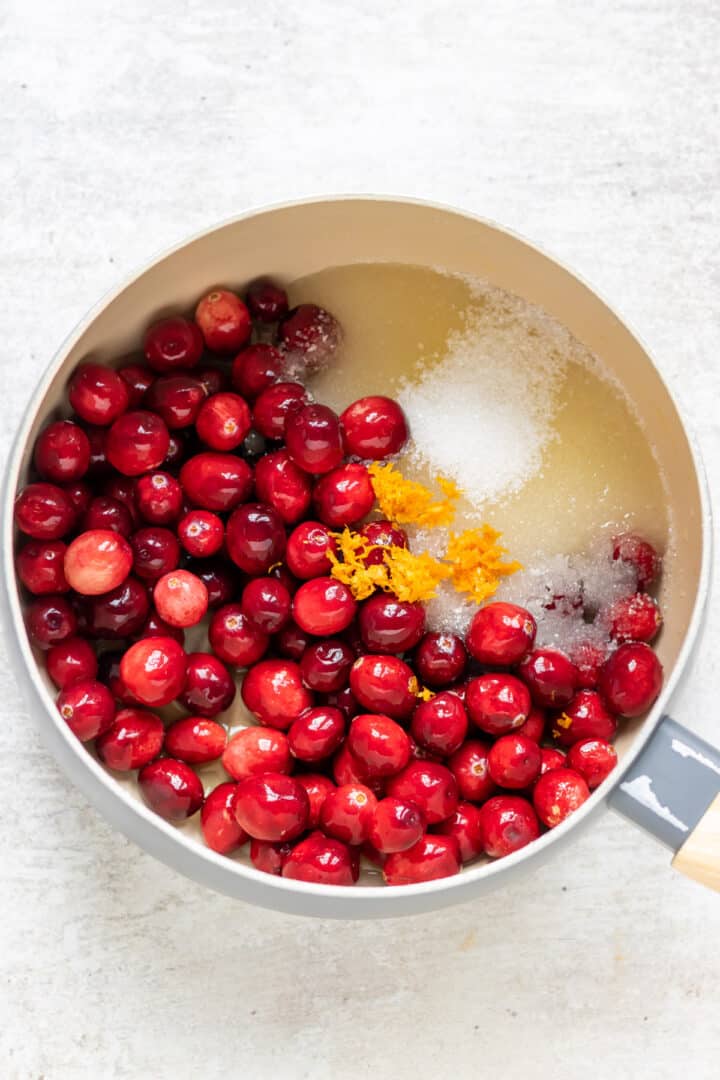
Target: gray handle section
pixel 671 785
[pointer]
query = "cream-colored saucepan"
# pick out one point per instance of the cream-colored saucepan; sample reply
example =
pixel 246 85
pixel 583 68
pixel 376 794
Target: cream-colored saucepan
pixel 668 780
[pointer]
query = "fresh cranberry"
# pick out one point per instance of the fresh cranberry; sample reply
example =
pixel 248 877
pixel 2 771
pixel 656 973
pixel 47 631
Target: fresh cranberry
pixel 291 641
pixel 62 452
pixel 469 766
pixel 384 684
pixel 195 740
pixel 173 344
pixel 633 618
pixel 98 394
pixel 235 638
pixel 497 703
pixel 281 484
pixel 466 826
pixel 267 857
pixel 382 534
pixel 508 823
pixel 209 687
pixel 87 708
pixel 266 301
pixel 275 404
pixel 280 573
pixel 557 794
pixel 594 759
pixel 221 579
pixel 323 606
pixel 50 620
pixel 253 751
pixel 119 613
pixel 440 659
pixel 534 726
pixel 80 497
pixel 550 758
pixel 440 724
pixel 344 496
pixel 317 788
pixel 97 561
pixel 71 660
pixel 347 813
pixel 311 334
pixel 501 634
pixel 307 549
pixel 388 625
pixel 267 603
pixel 181 598
pixel 430 858
pixel 44 511
pixel 176 450
pixel 214 380
pixel 325 665
pixel 171 789
pixel 317 733
pixel 138 380
pixel 255 538
pixel 374 427
pixel 271 807
pixel 221 831
pixel 155 552
pixel 159 498
pixel 631 679
pixel 109 674
pixel 134 739
pixel 396 825
pixel 379 744
pixel 586 716
pixel 429 786
pixel 154 626
pixel 321 860
pixel 273 691
pixel 345 701
pixel 177 400
pixel 40 567
pixel 122 490
pixel 641 555
pixel 201 533
pixel 223 421
pixel 137 442
pixel 588 657
pixel 550 676
pixel 514 761
pixel 224 321
pixel 105 512
pixel 153 670
pixel 312 436
pixel 256 368
pixel 97 437
pixel 216 481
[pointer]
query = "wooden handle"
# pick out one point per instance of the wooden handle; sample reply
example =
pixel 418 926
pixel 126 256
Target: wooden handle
pixel 699 857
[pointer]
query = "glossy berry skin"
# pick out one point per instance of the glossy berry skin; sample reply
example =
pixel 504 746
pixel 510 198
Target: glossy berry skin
pixel 216 481
pixel 281 484
pixel 313 439
pixel 374 427
pixel 153 670
pixel 223 421
pixel 396 825
pixel 70 660
pixel 235 639
pixel 173 344
pixel 220 578
pixel 209 688
pixel 134 739
pixel 266 301
pixel 267 603
pixel 201 533
pixel 273 691
pixel 181 598
pixel 429 786
pixel 44 511
pixel 274 405
pixel 97 437
pixel 534 726
pixel 514 761
pixel 155 552
pixel 497 703
pixel 195 740
pixel 40 565
pixel 158 498
pixel 508 823
pixel 347 813
pixel 325 665
pixel 119 613
pixel 255 368
pixel 307 547
pixel 344 496
pixel 440 724
pixel 98 394
pixel 440 659
pixel 501 634
pixel 641 555
pixel 137 442
pixel 388 625
pixel 220 828
pixel 321 860
pixel 382 534
pixel 634 618
pixel 585 716
pixel 465 826
pixel 557 794
pixel 551 677
pixel 97 561
pixel 87 707
pixel 62 452
pixel 384 684
pixel 379 744
pixel 171 788
pixel 312 334
pixel 316 733
pixel 594 759
pixel 50 620
pixel 317 787
pixel 120 488
pixel 177 400
pixel 154 626
pixel 430 858
pixel 138 380
pixel 550 758
pixel 255 538
pixel 104 512
pixel 271 807
pixel 213 379
pixel 323 607
pixel 253 751
pixel 224 321
pixel 631 679
pixel 267 857
pixel 469 766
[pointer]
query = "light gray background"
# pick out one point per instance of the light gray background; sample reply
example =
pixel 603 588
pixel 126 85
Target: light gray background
pixel 590 127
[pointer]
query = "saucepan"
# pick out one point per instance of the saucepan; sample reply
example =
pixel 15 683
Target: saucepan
pixel 667 780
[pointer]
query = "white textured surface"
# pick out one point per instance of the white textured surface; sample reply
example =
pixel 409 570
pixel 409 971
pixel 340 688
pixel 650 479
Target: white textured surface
pixel 590 127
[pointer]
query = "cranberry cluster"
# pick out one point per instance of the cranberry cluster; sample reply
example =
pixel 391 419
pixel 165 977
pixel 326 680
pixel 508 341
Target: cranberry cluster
pixel 203 479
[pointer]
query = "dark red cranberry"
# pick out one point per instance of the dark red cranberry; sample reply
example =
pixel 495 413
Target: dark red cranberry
pixel 223 421
pixel 171 789
pixel 253 751
pixel 220 578
pixel 177 399
pixel 71 660
pixel 557 794
pixel 440 724
pixel 50 620
pixel 508 823
pixel 374 427
pixel 153 670
pixel 44 511
pixel 201 533
pixel 235 638
pixel 134 739
pixel 631 679
pixel 155 552
pixel 107 513
pixel 586 716
pixel 594 759
pixel 497 703
pixel 97 561
pixel 633 618
pixel 159 497
pixel 465 826
pixel 255 538
pixel 321 860
pixel 280 573
pixel 176 450
pixel 641 555
pixel 384 684
pixel 267 603
pixel 325 665
pixel 256 368
pixel 313 440
pixel 379 744
pixel 317 788
pixel 429 786
pixel 216 481
pixel 469 766
pixel 209 688
pixel 275 404
pixel 292 641
pixel 109 675
pixel 281 484
pixel 98 394
pixel 271 807
pixel 138 380
pixel 154 626
pixel 323 606
pixel 195 740
pixel 80 497
pixel 382 534
pixel 215 380
pixel 122 490
pixel 345 701
pixel 317 733
pixel 440 659
pixel 221 831
pixel 396 825
pixel 137 442
pixel 224 321
pixel 87 708
pixel 430 858
pixel 347 813
pixel 40 567
pixel 97 437
pixel 307 548
pixel 266 301
pixel 62 452
pixel 173 344
pixel 344 496
pixel 514 761
pixel 311 334
pixel 551 677
pixel 500 634
pixel 119 613
pixel 273 691
pixel 267 857
pixel 388 625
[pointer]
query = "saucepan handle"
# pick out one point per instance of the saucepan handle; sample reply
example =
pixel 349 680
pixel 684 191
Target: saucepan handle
pixel 673 791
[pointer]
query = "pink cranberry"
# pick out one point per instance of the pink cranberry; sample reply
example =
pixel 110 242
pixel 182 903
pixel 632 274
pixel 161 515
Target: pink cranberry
pixel 97 394
pixel 281 484
pixel 311 334
pixel 429 786
pixel 255 538
pixel 317 733
pixel 557 794
pixel 155 552
pixel 105 512
pixel 177 399
pixel 469 766
pixel 321 860
pixel 534 726
pixel 440 724
pixel 201 533
pixel 266 301
pixel 586 716
pixel 40 567
pixel 631 679
pixel 119 613
pixel 323 606
pixel 634 618
pixel 138 380
pixel 396 825
pixel 374 427
pixel 550 758
pixel 430 858
pixel 253 751
pixel 317 788
pixel 267 603
pixel 223 421
pixel 62 452
pixel 256 368
pixel 134 739
pixel 641 555
pixel 137 442
pixel 153 670
pixel 325 665
pixel 221 831
pixel 312 436
pixel 195 740
pixel 344 496
pixel 97 561
pixel 173 344
pixel 224 321
pixel 465 826
pixel 384 684
pixel 181 598
pixel 209 688
pixel 273 691
pixel 159 498
pixel 271 807
pixel 501 634
pixel 514 761
pixel 307 549
pixel 71 660
pixel 440 659
pixel 87 707
pixel 269 858
pixel 388 625
pixel 275 404
pixel 497 703
pixel 382 534
pixel 216 481
pixel 550 676
pixel 347 813
pixel 50 620
pixel 171 789
pixel 508 823
pixel 44 511
pixel 235 638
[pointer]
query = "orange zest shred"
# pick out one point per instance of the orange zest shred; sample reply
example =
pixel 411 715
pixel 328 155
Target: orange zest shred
pixel 407 576
pixel 477 562
pixel 564 721
pixel 350 568
pixel 413 577
pixel 425 694
pixel 405 501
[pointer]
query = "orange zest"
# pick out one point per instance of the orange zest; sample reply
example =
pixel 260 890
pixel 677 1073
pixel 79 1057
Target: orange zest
pixel 477 562
pixel 407 501
pixel 407 576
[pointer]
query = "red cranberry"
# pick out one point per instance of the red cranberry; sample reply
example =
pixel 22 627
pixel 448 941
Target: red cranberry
pixel 497 703
pixel 501 634
pixel 271 807
pixel 97 394
pixel 550 758
pixel 71 660
pixel 253 751
pixel 384 684
pixel 440 659
pixel 281 484
pixel 388 625
pixel 641 555
pixel 273 691
pixel 62 452
pixel 97 561
pixel 224 321
pixel 154 626
pixel 534 726
pixel 325 665
pixel 235 638
pixel 430 858
pixel 508 823
pixel 269 858
pixel 634 618
pixel 312 334
pixel 550 676
pixel 557 794
pixel 195 740
pixel 346 769
pixel 347 813
pixel 176 450
pixel 374 427
pixel 344 496
pixel 280 573
pixel 345 701
pixel 87 708
pixel 44 512
pixel 317 733
pixel 159 498
pixel 181 598
pixel 256 368
pixel 323 606
pixel 50 620
pixel 177 399
pixel 221 579
pixel 594 759
pixel 80 497
pixel 588 657
pixel 317 788
pixel 173 344
pixel 266 602
pixel 382 534
pixel 137 442
pixel 119 613
pixel 221 831
pixel 255 538
pixel 312 436
pixel 469 766
pixel 429 786
pixel 321 860
pixel 440 724
pixel 514 761
pixel 307 549
pixel 465 826
pixel 107 513
pixel 291 641
pixel 586 716
pixel 275 404
pixel 209 688
pixel 155 552
pixel 223 421
pixel 631 679
pixel 201 533
pixel 122 490
pixel 153 670
pixel 396 825
pixel 216 481
pixel 109 675
pixel 97 437
pixel 138 380
pixel 214 380
pixel 266 301
pixel 134 739
pixel 171 789
pixel 40 567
